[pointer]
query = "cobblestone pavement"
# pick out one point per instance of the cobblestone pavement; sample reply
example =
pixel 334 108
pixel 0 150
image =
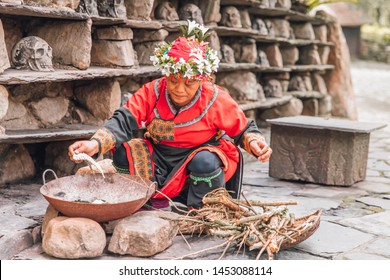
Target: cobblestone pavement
pixel 355 222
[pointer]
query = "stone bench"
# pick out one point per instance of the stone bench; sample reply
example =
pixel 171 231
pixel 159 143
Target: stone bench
pixel 319 150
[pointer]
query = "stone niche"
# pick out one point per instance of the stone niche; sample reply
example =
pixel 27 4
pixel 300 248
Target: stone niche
pixel 113 47
pixel 139 9
pixel 146 41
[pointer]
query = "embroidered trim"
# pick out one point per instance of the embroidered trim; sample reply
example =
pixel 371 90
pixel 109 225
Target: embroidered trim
pixel 141 158
pixel 248 138
pixel 159 130
pixel 106 138
pixel 121 170
pixel 205 179
pixel 195 120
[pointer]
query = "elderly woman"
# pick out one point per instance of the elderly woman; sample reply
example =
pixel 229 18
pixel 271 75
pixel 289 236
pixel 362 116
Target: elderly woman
pixel 192 126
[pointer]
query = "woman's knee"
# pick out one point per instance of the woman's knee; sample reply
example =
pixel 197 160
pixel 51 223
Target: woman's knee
pixel 204 162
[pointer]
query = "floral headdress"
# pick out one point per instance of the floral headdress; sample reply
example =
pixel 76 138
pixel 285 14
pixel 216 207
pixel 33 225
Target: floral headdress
pixel 188 55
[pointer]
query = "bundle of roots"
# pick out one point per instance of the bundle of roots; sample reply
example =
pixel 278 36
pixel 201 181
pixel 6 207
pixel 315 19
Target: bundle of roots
pixel 264 226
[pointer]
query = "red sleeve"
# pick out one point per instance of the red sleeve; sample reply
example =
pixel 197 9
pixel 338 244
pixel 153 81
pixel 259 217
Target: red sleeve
pixel 228 116
pixel 142 102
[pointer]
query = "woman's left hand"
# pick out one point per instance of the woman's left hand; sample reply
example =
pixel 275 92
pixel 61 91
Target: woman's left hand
pixel 261 150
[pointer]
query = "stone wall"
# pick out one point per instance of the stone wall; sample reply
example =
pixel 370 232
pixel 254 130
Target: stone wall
pixel 274 62
pixel 375 51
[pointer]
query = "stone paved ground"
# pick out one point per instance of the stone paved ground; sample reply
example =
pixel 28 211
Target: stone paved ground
pixel 355 222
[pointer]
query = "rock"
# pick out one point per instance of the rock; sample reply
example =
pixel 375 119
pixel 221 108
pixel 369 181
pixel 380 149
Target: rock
pixel 290 55
pixel 74 238
pixel 310 107
pixel 84 117
pixel 28 92
pixel 143 234
pixel 309 55
pixel 114 33
pixel 339 80
pixel 274 55
pixel 214 42
pixel 18 117
pixel 3 102
pixel 325 106
pixel 145 50
pixel 139 9
pixel 13 32
pixel 50 110
pixel 242 86
pixel 303 31
pixel 321 33
pixel 59 89
pixel 318 83
pixel 4 59
pixel 245 19
pixel 112 53
pixel 56 158
pixel 101 98
pixel 73 4
pixel 282 28
pixel 16 165
pixel 2 130
pixel 36 235
pixel 141 35
pixel 76 34
pixel 50 214
pixel 293 108
pixel 210 11
pixel 283 4
pixel 323 52
pixel 105 164
pixel 13 243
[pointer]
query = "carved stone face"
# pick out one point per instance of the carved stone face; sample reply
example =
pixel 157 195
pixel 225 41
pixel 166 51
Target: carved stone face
pixel 112 8
pixel 262 58
pixel 296 84
pixel 191 12
pixel 165 10
pixel 227 54
pixel 260 25
pixel 273 88
pixel 271 28
pixel 231 17
pixel 32 53
pixel 88 7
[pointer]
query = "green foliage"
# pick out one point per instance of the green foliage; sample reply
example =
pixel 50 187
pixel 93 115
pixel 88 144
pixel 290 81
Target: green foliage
pixel 311 4
pixel 376 33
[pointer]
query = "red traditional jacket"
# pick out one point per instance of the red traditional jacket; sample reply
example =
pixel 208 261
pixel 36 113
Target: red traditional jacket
pixel 211 114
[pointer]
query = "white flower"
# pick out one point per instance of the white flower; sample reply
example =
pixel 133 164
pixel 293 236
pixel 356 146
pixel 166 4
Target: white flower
pixel 203 29
pixel 191 25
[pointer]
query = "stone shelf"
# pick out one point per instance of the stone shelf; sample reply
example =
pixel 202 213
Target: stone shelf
pixel 300 17
pixel 263 105
pixel 305 68
pixel 306 94
pixel 304 42
pixel 172 26
pixel 144 24
pixel 46 12
pixel 67 132
pixel 250 3
pixel 224 31
pixel 226 67
pixel 107 20
pixel 13 76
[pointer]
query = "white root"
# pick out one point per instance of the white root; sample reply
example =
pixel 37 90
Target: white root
pixel 89 160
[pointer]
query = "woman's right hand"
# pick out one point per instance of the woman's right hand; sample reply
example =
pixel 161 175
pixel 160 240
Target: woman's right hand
pixel 89 147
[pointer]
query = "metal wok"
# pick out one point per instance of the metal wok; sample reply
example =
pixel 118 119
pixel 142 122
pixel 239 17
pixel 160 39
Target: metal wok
pixel 100 199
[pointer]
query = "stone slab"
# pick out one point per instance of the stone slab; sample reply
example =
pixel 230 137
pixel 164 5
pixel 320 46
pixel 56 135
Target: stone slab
pixel 375 201
pixel 373 187
pixel 378 223
pixel 380 246
pixel 332 239
pixel 35 208
pixel 359 256
pixel 14 242
pixel 14 223
pixel 328 123
pixel 312 190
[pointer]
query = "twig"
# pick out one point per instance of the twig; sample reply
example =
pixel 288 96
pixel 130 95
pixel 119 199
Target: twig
pixel 202 251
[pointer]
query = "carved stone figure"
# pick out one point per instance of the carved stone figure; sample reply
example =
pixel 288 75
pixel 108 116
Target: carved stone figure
pixel 259 24
pixel 264 3
pixel 262 58
pixel 271 28
pixel 112 8
pixel 227 54
pixel 273 88
pixel 32 53
pixel 166 11
pixel 296 84
pixel 283 4
pixel 191 12
pixel 88 7
pixel 231 17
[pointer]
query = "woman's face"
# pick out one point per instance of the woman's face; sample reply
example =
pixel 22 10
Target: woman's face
pixel 182 90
